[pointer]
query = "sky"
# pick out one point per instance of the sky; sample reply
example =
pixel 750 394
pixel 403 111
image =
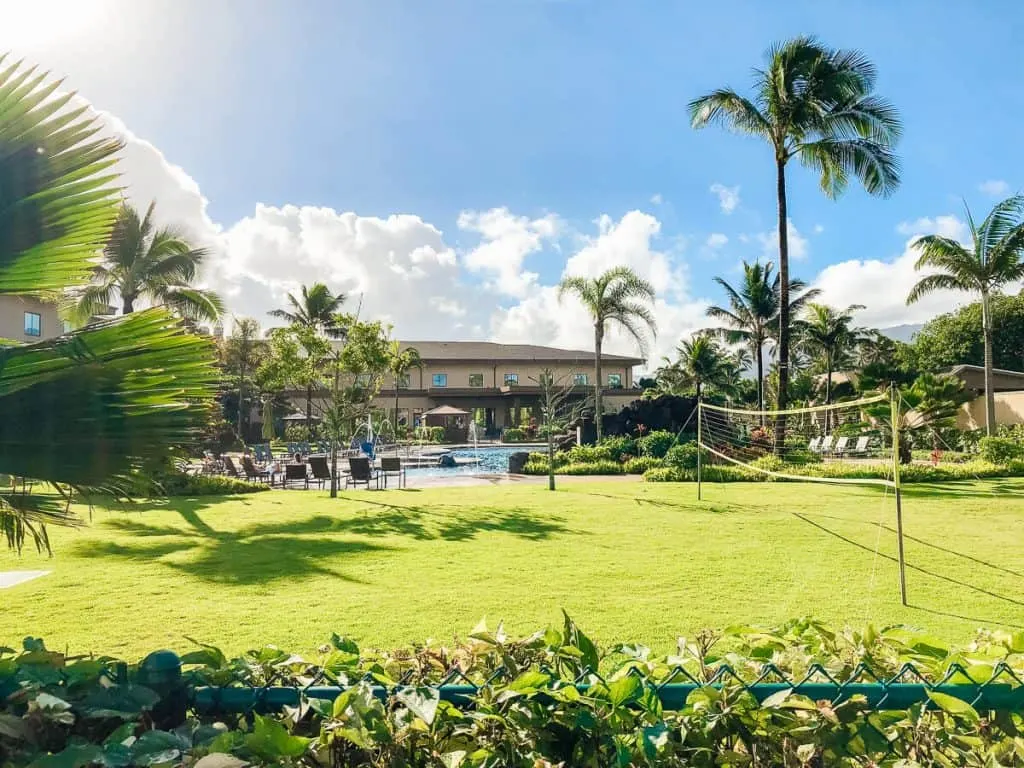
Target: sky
pixel 445 164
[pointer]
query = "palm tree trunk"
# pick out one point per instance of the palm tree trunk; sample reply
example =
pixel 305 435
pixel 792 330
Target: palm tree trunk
pixel 783 393
pixel 127 305
pixel 396 409
pixel 598 341
pixel 759 352
pixel 241 398
pixel 309 411
pixel 551 458
pixel 828 388
pixel 990 395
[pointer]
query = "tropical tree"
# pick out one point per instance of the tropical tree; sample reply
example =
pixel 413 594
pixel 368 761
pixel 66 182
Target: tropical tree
pixel 95 409
pixel 400 364
pixel 143 262
pixel 815 104
pixel 241 353
pixel 830 333
pixel 315 307
pixel 752 317
pixel 990 261
pixel 926 407
pixel 702 362
pixel 618 297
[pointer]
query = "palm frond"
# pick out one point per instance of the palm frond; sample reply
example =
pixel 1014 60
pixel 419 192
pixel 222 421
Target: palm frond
pixel 873 163
pixel 937 282
pixel 57 203
pixel 193 303
pixel 726 107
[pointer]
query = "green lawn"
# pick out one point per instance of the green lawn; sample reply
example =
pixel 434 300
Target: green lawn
pixel 630 561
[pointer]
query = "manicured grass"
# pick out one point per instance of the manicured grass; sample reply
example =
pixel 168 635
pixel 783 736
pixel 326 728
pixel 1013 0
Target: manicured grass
pixel 630 561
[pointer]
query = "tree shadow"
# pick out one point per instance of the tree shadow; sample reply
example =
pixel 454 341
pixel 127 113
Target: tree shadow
pixel 920 569
pixel 640 501
pixel 953 489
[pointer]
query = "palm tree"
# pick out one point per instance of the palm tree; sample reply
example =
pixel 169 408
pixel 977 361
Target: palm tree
pixel 815 104
pixel 992 260
pixel 400 363
pixel 241 353
pixel 702 362
pixel 315 308
pixel 96 409
pixel 753 314
pixel 141 261
pixel 617 297
pixel 829 332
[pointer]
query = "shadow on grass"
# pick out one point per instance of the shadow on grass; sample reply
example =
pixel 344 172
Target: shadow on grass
pixel 925 571
pixel 266 552
pixel 642 501
pixel 962 489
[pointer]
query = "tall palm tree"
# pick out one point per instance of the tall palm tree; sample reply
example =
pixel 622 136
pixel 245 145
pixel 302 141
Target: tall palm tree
pixel 617 297
pixel 829 332
pixel 752 317
pixel 702 362
pixel 316 307
pixel 815 104
pixel 157 265
pixel 241 353
pixel 992 260
pixel 400 363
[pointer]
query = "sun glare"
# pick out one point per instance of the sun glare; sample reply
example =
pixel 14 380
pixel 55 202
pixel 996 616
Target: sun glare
pixel 45 22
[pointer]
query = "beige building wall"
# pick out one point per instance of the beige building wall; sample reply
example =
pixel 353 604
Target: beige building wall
pixel 492 376
pixel 13 311
pixel 1009 410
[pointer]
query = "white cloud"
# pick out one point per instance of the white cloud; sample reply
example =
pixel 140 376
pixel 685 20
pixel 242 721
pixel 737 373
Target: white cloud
pixel 883 285
pixel 506 241
pixel 799 248
pixel 447 306
pixel 818 229
pixel 995 188
pixel 656 198
pixel 716 240
pixel 728 197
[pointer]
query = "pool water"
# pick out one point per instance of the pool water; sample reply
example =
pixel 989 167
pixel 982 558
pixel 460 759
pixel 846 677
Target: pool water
pixel 493 461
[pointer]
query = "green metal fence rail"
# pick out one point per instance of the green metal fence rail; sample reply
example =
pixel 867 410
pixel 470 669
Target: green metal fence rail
pixel 1002 691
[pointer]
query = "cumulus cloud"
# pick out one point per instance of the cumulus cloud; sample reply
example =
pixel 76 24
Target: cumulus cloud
pixel 799 248
pixel 506 241
pixel 883 285
pixel 716 240
pixel 728 197
pixel 994 188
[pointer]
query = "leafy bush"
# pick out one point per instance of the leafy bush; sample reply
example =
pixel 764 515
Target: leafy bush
pixel 604 467
pixel 80 711
pixel 588 453
pixel 179 484
pixel 641 464
pixel 682 456
pixel 656 443
pixel 619 446
pixel 297 433
pixel 1000 450
pixel 514 435
pixel 430 434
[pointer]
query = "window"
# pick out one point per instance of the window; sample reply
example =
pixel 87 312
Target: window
pixel 615 380
pixel 440 380
pixel 476 379
pixel 33 324
pixel 579 379
pixel 511 379
pixel 65 326
pixel 403 381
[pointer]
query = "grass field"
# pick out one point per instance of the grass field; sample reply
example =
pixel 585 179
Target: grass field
pixel 630 561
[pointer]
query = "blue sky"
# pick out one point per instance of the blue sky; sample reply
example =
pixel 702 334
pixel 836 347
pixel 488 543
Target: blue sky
pixel 550 110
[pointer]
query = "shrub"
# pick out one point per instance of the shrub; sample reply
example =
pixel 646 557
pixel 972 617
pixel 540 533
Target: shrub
pixel 514 435
pixel 588 453
pixel 914 473
pixel 1000 450
pixel 641 464
pixel 536 467
pixel 605 467
pixel 430 434
pixel 297 433
pixel 656 444
pixel 619 446
pixel 175 483
pixel 682 456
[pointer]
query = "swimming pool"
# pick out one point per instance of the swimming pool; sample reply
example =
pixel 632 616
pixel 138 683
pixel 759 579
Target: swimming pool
pixel 493 461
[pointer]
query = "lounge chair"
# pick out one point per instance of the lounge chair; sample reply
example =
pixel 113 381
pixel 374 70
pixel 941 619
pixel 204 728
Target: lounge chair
pixel 861 448
pixel 826 445
pixel 814 445
pixel 840 447
pixel 361 471
pixel 321 470
pixel 392 465
pixel 229 467
pixel 253 473
pixel 295 473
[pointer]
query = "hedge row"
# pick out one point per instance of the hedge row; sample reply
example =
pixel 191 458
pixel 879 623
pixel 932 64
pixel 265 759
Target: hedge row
pixel 58 711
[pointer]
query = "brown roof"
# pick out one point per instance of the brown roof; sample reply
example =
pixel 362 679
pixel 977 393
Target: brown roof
pixel 490 350
pixel 1003 380
pixel 446 410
